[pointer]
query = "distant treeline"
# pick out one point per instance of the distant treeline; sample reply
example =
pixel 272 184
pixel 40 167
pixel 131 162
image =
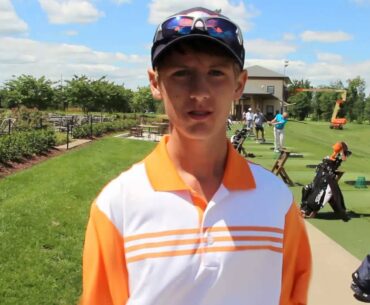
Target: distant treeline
pixel 103 95
pixel 320 105
pixel 81 91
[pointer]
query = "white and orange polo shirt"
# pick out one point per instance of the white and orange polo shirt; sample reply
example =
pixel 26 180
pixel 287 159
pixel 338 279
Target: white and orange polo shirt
pixel 151 240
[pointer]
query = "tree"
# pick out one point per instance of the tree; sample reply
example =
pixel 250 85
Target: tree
pixel 301 106
pixel 143 101
pixel 79 93
pixel 118 98
pixel 301 102
pixel 355 104
pixel 367 109
pixel 98 95
pixel 28 91
pixel 326 103
pixel 2 94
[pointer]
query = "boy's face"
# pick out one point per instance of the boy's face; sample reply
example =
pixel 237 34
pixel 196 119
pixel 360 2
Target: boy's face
pixel 197 90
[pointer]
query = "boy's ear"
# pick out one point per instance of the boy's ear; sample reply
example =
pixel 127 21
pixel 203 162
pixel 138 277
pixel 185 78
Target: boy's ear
pixel 241 81
pixel 154 85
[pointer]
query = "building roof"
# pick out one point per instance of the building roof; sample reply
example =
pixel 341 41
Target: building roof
pixel 257 93
pixel 256 90
pixel 261 72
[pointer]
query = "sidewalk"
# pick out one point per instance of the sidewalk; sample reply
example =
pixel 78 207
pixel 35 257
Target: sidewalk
pixel 73 144
pixel 332 269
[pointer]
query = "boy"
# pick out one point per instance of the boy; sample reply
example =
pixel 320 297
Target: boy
pixel 193 223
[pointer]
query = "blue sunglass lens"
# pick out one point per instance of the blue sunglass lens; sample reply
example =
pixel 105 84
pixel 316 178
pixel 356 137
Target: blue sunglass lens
pixel 221 28
pixel 177 25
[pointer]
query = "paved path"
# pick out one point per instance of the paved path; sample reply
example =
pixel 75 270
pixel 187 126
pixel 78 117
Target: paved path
pixel 332 269
pixel 73 144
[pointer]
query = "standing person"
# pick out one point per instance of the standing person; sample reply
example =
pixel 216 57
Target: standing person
pixel 279 124
pixel 243 117
pixel 249 119
pixel 192 223
pixel 259 119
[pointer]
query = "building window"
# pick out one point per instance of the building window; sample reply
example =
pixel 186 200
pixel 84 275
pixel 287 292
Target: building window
pixel 270 89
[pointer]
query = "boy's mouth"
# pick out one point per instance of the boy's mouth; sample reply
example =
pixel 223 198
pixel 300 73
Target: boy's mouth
pixel 199 115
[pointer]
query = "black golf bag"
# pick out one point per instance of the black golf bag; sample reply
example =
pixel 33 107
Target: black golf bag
pixel 238 139
pixel 361 281
pixel 323 189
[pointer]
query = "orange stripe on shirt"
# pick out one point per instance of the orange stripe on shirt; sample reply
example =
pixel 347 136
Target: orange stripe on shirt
pixel 161 234
pixel 245 228
pixel 198 240
pixel 201 250
pixel 195 231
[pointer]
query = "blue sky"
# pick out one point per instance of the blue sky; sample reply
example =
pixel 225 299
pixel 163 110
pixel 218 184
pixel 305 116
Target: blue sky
pixel 323 41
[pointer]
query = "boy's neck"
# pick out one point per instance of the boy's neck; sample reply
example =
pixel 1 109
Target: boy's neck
pixel 200 164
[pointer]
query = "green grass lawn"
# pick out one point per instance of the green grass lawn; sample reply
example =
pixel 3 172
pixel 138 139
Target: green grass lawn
pixel 44 209
pixel 43 216
pixel 314 140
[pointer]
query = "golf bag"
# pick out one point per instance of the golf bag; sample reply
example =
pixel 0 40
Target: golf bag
pixel 325 188
pixel 237 141
pixel 361 281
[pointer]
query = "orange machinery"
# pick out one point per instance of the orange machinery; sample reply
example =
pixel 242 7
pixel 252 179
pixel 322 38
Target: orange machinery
pixel 334 122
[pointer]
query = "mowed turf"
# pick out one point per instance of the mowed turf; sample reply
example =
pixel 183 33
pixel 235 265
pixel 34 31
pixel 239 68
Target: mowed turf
pixel 44 210
pixel 315 140
pixel 43 216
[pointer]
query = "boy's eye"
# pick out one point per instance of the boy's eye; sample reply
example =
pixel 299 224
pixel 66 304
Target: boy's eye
pixel 216 73
pixel 181 73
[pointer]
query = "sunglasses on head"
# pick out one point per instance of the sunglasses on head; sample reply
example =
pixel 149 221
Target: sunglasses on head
pixel 216 27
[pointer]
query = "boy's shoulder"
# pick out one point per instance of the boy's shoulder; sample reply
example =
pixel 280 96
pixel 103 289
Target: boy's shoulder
pixel 135 175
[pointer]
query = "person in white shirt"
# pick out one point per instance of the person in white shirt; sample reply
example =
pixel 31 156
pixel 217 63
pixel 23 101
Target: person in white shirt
pixel 249 119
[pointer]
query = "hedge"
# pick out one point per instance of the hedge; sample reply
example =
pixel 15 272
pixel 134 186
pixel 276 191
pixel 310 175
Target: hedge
pixel 21 145
pixel 98 129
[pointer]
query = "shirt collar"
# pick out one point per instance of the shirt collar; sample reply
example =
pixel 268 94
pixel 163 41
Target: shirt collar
pixel 164 177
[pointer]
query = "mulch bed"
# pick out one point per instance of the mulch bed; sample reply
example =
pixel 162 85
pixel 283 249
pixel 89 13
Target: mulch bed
pixel 13 167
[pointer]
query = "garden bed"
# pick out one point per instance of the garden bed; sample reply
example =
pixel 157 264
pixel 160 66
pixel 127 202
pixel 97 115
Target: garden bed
pixel 13 167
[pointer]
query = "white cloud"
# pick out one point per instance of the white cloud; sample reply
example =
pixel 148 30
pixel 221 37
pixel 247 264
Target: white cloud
pixel 237 12
pixel 268 49
pixel 288 36
pixel 276 65
pixel 70 11
pixel 25 56
pixel 119 2
pixel 329 57
pixel 71 33
pixel 325 36
pixel 361 2
pixel 10 23
pixel 320 73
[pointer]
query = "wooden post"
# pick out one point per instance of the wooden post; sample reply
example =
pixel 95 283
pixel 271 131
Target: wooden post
pixel 278 168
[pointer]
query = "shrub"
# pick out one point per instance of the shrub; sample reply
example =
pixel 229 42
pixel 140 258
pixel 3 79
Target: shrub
pixel 20 145
pixel 98 129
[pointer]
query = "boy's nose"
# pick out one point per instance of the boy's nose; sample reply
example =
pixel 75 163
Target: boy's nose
pixel 199 88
